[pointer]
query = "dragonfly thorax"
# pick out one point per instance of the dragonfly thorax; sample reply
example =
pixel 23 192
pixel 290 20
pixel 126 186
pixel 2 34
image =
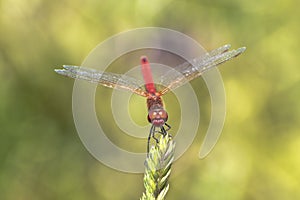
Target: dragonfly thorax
pixel 157 115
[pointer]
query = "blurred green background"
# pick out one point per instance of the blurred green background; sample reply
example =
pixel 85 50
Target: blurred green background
pixel 257 156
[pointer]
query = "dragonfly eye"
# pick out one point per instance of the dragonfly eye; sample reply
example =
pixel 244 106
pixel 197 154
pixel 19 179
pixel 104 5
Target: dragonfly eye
pixel 158 114
pixel 164 115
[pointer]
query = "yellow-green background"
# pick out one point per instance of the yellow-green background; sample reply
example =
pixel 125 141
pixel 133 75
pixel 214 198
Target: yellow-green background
pixel 257 157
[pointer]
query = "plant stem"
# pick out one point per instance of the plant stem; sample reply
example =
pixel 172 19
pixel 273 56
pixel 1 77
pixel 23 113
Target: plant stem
pixel 158 168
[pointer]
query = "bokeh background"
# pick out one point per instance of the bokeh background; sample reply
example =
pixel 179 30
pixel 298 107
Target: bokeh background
pixel 257 156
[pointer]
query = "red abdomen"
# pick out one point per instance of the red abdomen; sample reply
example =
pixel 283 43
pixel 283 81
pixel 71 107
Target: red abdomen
pixel 147 75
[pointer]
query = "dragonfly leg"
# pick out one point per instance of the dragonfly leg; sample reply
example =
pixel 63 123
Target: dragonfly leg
pixel 168 127
pixel 151 134
pixel 162 131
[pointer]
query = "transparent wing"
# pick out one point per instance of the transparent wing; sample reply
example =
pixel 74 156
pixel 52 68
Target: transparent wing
pixel 196 67
pixel 107 79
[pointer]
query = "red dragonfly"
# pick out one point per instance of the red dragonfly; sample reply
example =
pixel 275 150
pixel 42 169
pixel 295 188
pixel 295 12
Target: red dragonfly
pixel 174 78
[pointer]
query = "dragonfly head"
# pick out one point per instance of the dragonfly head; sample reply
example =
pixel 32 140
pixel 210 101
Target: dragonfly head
pixel 157 116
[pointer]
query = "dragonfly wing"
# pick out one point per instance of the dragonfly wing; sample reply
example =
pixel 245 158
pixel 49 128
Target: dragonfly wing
pixel 196 67
pixel 219 50
pixel 112 80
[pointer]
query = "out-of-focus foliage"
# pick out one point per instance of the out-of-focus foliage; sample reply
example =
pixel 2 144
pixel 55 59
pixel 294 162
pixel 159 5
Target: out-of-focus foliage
pixel 257 157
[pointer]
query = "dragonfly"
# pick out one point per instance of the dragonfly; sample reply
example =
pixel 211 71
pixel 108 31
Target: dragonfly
pixel 172 79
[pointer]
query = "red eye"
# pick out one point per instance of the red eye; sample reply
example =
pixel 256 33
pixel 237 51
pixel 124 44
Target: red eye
pixel 164 115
